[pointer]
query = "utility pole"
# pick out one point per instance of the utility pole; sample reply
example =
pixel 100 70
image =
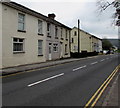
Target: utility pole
pixel 78 37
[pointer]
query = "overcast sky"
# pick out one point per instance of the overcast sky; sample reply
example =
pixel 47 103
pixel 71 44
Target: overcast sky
pixel 69 11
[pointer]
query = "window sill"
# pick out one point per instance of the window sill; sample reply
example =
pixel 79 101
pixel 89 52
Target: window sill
pixel 56 37
pixel 40 34
pixel 22 31
pixel 62 39
pixel 66 39
pixel 40 55
pixel 55 51
pixel 17 52
pixel 66 53
pixel 49 36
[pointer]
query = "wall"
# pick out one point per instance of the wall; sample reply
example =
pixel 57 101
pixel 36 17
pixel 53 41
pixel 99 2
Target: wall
pixel 65 41
pixel 0 35
pixel 52 40
pixel 85 41
pixel 10 25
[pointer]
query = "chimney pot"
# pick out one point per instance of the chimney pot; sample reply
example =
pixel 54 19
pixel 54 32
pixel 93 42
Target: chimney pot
pixel 52 16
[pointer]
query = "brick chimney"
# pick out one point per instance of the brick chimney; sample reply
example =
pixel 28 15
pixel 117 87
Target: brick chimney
pixel 52 16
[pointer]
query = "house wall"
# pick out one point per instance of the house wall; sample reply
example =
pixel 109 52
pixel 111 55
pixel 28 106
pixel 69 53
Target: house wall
pixel 0 35
pixel 31 37
pixel 95 45
pixel 100 45
pixel 85 41
pixel 74 44
pixel 65 41
pixel 52 40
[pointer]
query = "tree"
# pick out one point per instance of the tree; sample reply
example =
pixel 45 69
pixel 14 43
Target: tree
pixel 106 44
pixel 104 4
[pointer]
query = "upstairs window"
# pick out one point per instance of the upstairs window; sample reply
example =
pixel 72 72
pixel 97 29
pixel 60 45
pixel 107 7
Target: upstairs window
pixel 40 27
pixel 21 22
pixel 66 34
pixel 56 32
pixel 75 33
pixel 48 29
pixel 61 32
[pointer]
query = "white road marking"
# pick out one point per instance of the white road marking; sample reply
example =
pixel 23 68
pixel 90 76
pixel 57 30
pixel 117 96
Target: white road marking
pixel 94 63
pixel 45 79
pixel 102 60
pixel 79 68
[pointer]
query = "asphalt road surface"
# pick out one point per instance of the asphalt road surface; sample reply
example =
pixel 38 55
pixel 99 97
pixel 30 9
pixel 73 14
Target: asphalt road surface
pixel 70 84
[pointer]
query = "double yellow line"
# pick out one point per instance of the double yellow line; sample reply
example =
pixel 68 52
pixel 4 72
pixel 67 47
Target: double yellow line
pixel 99 92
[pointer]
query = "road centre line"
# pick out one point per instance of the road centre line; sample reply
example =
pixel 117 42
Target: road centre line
pixel 94 63
pixel 46 79
pixel 102 60
pixel 79 68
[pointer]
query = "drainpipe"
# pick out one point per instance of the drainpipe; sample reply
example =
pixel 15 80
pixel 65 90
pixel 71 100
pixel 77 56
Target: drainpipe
pixel 78 37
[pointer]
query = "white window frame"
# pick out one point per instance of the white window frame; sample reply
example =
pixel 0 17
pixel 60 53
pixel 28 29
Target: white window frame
pixel 18 42
pixel 55 47
pixel 20 22
pixel 40 26
pixel 48 29
pixel 56 32
pixel 61 32
pixel 40 48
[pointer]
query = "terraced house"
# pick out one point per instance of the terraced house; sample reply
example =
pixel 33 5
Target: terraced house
pixel 87 42
pixel 29 37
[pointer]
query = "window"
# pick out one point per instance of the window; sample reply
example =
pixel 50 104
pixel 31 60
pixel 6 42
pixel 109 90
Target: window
pixel 21 22
pixel 75 33
pixel 39 27
pixel 48 29
pixel 55 47
pixel 18 45
pixel 40 50
pixel 65 48
pixel 61 32
pixel 56 32
pixel 66 34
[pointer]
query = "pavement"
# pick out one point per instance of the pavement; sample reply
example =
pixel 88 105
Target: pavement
pixel 111 98
pixel 112 92
pixel 16 69
pixel 22 68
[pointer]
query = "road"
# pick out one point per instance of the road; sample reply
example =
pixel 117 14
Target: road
pixel 70 84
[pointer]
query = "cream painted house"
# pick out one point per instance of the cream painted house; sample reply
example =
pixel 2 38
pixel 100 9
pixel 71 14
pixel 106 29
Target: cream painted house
pixel 87 42
pixel 84 42
pixel 28 37
pixel 96 44
pixel 65 42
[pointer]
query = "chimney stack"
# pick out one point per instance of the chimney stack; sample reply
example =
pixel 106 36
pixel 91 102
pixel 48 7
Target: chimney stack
pixel 52 16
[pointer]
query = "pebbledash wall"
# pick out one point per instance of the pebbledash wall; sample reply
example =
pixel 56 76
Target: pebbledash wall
pixel 28 37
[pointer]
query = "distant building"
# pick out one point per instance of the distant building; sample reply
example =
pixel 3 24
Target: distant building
pixel 87 42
